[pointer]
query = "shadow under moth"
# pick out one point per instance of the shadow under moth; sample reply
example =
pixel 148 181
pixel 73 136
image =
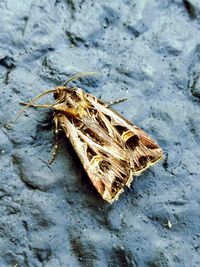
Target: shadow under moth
pixel 111 149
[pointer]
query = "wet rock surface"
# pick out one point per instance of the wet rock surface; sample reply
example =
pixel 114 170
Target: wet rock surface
pixel 148 51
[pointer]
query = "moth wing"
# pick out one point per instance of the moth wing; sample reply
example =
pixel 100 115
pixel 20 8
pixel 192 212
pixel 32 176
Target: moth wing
pixel 143 151
pixel 107 164
pixel 110 148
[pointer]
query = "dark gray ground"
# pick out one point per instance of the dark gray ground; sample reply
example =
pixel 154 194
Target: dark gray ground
pixel 148 51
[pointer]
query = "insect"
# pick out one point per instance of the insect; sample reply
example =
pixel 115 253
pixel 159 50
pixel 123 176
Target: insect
pixel 111 149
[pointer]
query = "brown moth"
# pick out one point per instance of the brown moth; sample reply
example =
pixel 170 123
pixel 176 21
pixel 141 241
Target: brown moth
pixel 111 149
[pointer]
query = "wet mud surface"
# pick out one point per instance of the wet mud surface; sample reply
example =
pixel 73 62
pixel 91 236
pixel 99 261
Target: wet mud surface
pixel 148 51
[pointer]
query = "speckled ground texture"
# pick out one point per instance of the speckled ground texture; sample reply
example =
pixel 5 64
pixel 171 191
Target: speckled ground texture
pixel 149 51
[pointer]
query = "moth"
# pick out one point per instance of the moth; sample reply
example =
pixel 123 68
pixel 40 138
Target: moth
pixel 111 149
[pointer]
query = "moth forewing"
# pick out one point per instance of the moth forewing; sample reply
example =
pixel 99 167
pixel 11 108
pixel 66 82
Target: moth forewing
pixel 111 149
pixel 143 151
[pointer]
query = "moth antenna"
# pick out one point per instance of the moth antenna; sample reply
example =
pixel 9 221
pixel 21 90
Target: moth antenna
pixel 31 102
pixel 75 77
pixel 79 75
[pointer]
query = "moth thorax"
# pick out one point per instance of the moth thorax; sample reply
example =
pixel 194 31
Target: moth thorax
pixel 70 101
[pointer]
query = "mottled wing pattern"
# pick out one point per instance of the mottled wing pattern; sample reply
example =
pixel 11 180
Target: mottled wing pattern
pixel 143 151
pixel 106 163
pixel 111 149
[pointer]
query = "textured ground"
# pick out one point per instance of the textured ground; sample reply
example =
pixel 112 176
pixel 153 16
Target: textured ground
pixel 148 51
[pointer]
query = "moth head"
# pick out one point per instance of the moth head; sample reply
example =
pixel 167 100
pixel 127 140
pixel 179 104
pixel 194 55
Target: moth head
pixel 60 92
pixel 68 95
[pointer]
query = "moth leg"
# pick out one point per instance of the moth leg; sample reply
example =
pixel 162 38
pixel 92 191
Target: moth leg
pixel 37 105
pixel 112 103
pixel 55 148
